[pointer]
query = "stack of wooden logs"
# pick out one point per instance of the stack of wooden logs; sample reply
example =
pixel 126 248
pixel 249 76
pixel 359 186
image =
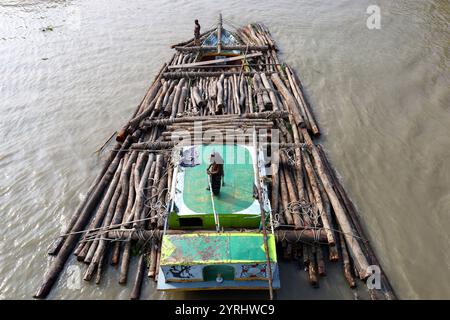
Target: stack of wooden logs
pixel 124 210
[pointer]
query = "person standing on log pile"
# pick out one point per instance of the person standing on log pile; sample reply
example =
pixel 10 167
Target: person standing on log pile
pixel 197 33
pixel 215 173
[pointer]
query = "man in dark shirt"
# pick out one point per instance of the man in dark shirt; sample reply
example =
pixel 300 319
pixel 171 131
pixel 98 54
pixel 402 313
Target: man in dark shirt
pixel 215 172
pixel 197 33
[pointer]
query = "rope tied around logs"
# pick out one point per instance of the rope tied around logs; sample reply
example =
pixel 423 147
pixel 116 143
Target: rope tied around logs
pixel 290 152
pixel 282 236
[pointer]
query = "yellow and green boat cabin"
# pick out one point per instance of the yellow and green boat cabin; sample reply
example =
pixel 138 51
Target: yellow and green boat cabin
pixel 214 241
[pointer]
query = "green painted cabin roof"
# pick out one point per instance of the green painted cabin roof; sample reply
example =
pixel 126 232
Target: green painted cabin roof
pixel 236 195
pixel 215 248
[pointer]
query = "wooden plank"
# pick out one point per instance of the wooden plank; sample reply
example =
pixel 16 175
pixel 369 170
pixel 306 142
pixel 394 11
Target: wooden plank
pixel 204 63
pixel 224 48
pixel 193 74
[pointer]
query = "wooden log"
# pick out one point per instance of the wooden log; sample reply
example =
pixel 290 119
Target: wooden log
pixel 205 74
pixel 193 107
pixel 103 244
pixel 162 96
pixel 290 100
pixel 197 97
pixel 153 146
pixel 128 193
pixel 265 96
pixel 221 124
pixel 152 260
pixel 182 101
pixel 169 106
pixel 180 59
pixel 137 285
pixel 309 114
pixel 128 215
pixel 318 199
pixel 227 48
pixel 82 248
pixel 152 105
pixel 292 193
pixel 242 95
pixel 115 254
pixel 320 262
pixel 250 97
pixel 306 235
pixel 235 95
pixel 386 286
pixel 298 160
pixel 258 92
pixel 214 61
pixel 159 159
pixel 309 197
pixel 274 166
pixel 91 250
pixel 176 98
pixel 285 200
pixel 148 205
pixel 220 92
pixel 140 186
pixel 168 99
pixel 343 220
pixel 346 263
pixel 299 101
pixel 333 252
pixel 125 263
pixel 270 89
pixel 225 95
pixel 100 268
pixel 60 260
pixel 163 187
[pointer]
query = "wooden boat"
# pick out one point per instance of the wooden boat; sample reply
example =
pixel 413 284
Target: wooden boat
pixel 225 94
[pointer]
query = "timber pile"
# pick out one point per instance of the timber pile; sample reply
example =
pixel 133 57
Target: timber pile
pixel 124 211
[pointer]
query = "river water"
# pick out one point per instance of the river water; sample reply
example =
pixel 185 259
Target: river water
pixel 72 72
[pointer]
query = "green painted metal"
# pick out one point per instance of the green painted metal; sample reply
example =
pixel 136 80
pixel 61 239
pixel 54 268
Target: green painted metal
pixel 215 248
pixel 226 221
pixel 236 195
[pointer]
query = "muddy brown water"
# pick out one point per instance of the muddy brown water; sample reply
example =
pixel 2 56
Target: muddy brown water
pixel 73 71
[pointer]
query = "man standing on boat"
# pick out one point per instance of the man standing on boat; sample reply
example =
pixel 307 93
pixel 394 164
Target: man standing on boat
pixel 215 173
pixel 197 33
